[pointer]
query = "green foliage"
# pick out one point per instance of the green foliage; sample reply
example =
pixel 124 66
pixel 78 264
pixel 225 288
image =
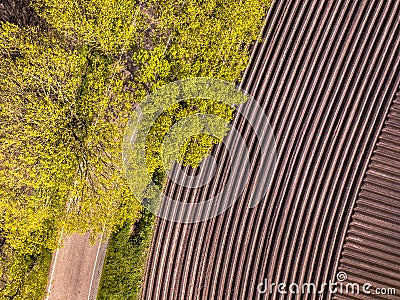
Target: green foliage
pixel 211 39
pixel 205 39
pixel 62 117
pixel 67 92
pixel 193 149
pixel 126 260
pixel 107 26
pixel 28 274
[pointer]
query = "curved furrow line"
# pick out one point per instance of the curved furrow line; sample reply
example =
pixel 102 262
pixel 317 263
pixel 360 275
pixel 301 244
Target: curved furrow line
pixel 167 247
pixel 367 238
pixel 368 271
pixel 231 222
pixel 308 73
pixel 238 239
pixel 251 141
pixel 179 249
pixel 164 228
pixel 296 165
pixel 249 128
pixel 318 172
pixel 169 228
pixel 190 261
pixel 256 231
pixel 372 242
pixel 389 74
pixel 159 232
pixel 373 228
pixel 215 267
pixel 297 107
pixel 310 179
pixel 224 224
pixel 313 84
pixel 274 32
pixel 178 271
pixel 325 141
pixel 341 223
pixel 174 226
pixel 269 31
pixel 319 86
pixel 336 159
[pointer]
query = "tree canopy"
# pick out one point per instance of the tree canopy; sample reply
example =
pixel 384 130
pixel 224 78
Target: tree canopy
pixel 68 85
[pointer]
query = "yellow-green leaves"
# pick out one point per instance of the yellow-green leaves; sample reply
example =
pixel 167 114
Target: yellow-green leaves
pixel 108 26
pixel 67 89
pixel 62 116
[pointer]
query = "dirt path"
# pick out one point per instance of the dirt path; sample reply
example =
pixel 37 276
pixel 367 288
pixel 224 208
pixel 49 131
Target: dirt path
pixel 76 268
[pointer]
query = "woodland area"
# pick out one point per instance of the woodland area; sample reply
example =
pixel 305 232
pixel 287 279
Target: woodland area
pixel 71 74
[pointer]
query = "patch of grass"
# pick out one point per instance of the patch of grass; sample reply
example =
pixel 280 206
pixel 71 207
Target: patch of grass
pixel 126 260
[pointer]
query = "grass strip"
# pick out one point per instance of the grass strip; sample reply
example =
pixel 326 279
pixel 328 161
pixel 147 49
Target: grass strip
pixel 125 262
